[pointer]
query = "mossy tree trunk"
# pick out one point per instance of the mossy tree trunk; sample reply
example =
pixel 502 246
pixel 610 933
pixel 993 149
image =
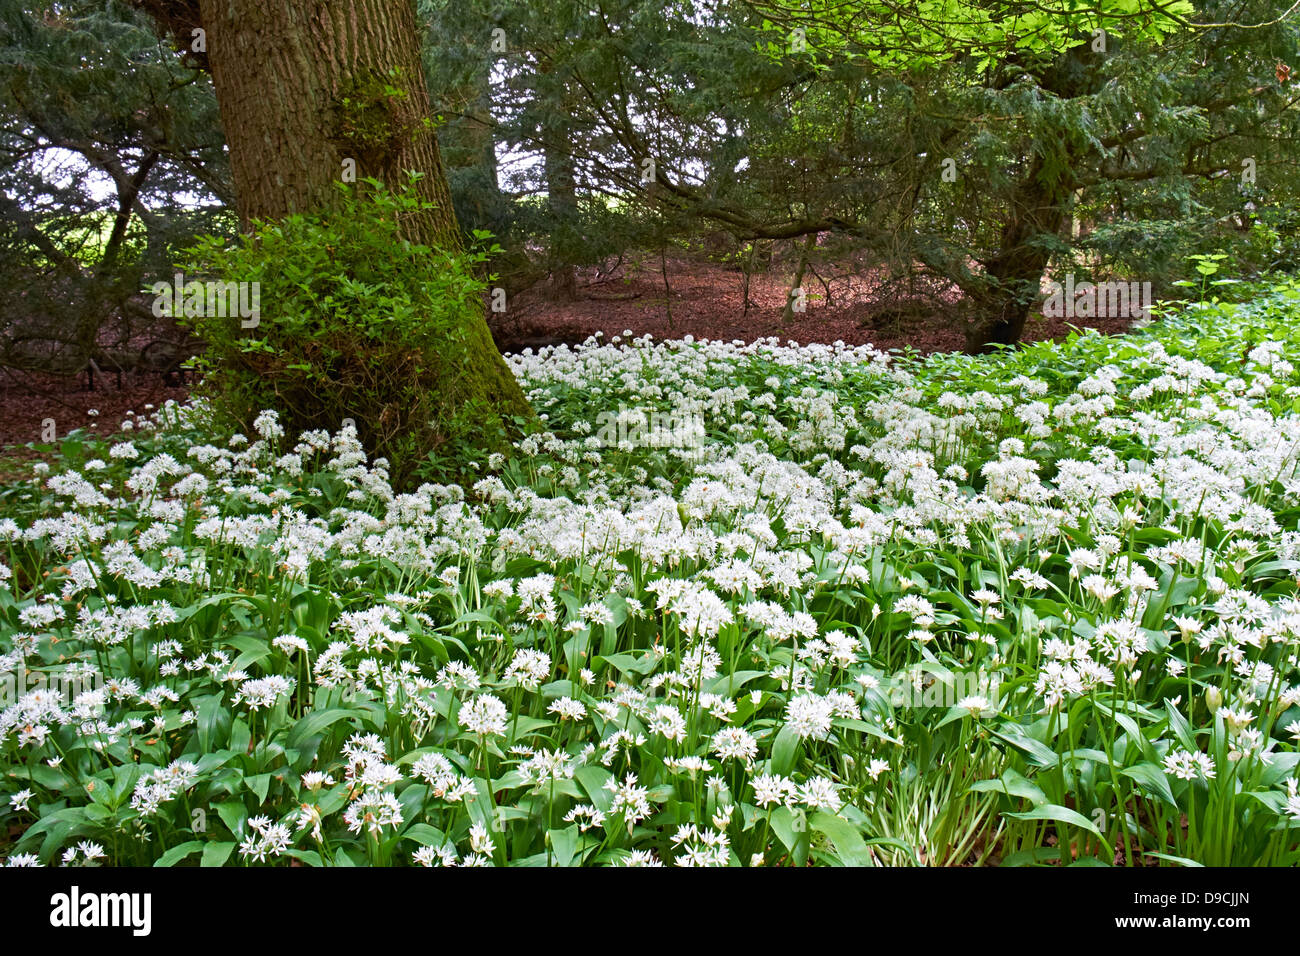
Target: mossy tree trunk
pixel 311 90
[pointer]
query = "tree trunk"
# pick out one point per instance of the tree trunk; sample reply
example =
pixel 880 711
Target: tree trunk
pixel 561 190
pixel 562 200
pixel 304 87
pixel 1041 207
pixel 1013 277
pixel 797 286
pixel 470 147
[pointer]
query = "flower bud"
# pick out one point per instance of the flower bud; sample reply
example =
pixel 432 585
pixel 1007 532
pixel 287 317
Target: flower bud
pixel 1213 699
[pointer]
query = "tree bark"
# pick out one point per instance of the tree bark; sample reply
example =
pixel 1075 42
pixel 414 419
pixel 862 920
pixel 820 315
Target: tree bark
pixel 562 201
pixel 301 86
pixel 561 190
pixel 1013 277
pixel 797 285
pixel 1040 207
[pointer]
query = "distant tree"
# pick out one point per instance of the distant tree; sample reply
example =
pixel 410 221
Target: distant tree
pixel 527 73
pixel 959 143
pixel 111 159
pixel 970 133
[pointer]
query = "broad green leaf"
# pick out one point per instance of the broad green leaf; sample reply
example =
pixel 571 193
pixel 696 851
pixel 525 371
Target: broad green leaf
pixel 179 852
pixel 1059 814
pixel 849 845
pixel 216 854
pixel 1153 780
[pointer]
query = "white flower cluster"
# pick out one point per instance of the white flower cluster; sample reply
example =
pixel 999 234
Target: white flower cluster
pixel 645 655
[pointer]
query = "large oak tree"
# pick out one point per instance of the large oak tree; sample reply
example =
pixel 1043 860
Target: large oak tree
pixel 310 91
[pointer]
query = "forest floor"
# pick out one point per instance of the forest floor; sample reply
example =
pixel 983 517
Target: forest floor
pixel 704 301
pixel 29 402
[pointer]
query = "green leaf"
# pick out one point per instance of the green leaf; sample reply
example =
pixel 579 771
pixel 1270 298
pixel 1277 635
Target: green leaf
pixel 593 780
pixel 1180 860
pixel 316 723
pixel 233 815
pixel 1013 784
pixel 425 835
pixel 784 751
pixel 213 722
pixel 849 845
pixel 258 785
pixel 216 854
pixel 1039 753
pixel 564 843
pixel 253 650
pixel 1181 728
pixel 1153 780
pixel 178 853
pixel 789 826
pixel 1059 814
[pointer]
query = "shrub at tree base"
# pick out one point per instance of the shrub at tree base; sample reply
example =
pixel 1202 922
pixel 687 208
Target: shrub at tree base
pixel 355 322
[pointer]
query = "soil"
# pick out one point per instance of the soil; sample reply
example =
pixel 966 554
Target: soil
pixel 30 402
pixel 703 299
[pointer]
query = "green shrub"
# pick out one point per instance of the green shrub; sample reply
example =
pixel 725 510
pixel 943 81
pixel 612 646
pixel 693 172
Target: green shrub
pixel 355 323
